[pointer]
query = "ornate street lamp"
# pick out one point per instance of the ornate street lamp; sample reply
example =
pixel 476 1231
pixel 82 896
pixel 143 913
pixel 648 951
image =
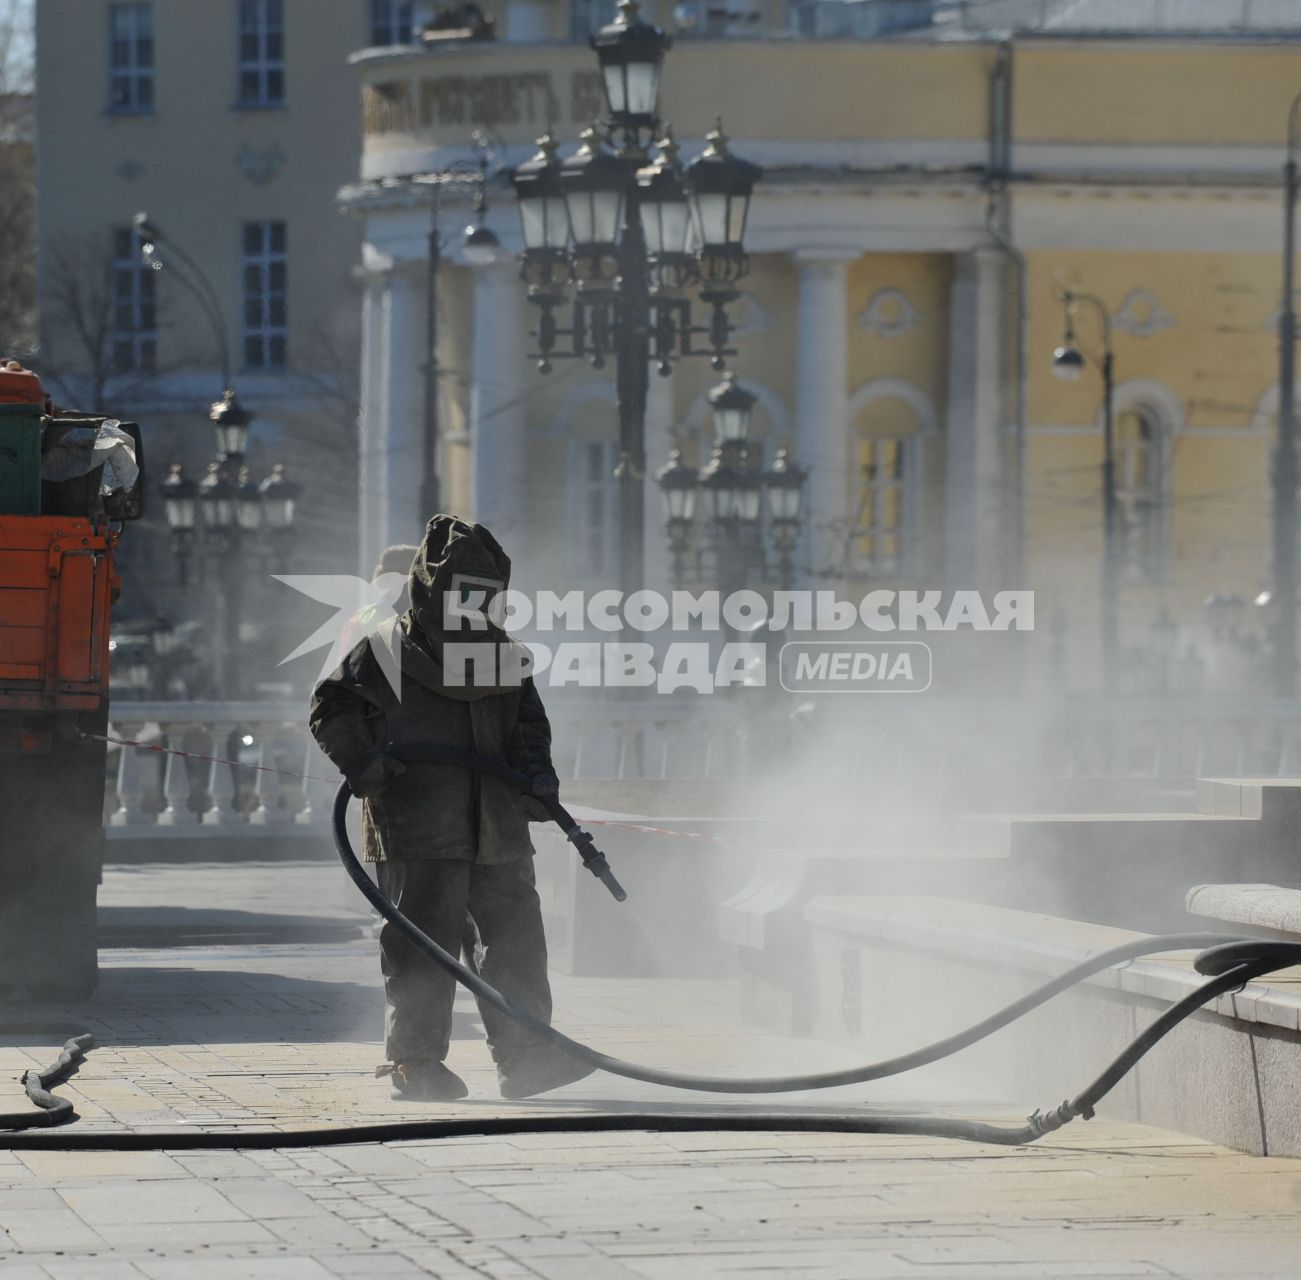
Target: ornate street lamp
pixel 720 483
pixel 248 502
pixel 279 496
pixel 592 181
pixel 543 220
pixel 179 494
pixel 732 405
pixel 230 423
pixel 679 484
pixel 217 500
pixel 784 482
pixel 627 245
pixel 720 187
pixel 180 509
pixel 666 218
pixel 731 492
pixel 631 56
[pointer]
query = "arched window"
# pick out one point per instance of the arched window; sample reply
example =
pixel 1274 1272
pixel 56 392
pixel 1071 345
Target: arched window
pixel 882 503
pixel 886 465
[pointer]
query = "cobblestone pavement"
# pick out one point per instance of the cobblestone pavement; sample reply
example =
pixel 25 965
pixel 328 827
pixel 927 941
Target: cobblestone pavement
pixel 260 1035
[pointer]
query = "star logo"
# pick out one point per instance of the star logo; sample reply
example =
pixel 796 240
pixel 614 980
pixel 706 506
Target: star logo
pixel 362 608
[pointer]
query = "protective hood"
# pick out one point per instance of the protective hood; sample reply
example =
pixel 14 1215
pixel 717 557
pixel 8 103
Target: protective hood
pixel 451 547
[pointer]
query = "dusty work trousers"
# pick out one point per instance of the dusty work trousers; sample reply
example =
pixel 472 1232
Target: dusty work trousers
pixel 502 903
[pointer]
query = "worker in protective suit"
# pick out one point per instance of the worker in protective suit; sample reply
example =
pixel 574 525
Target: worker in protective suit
pixel 449 841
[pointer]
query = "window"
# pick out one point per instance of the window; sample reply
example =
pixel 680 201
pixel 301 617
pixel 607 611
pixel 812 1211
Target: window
pixel 261 53
pixel 879 524
pixel 1140 494
pixel 594 505
pixel 391 22
pixel 131 57
pixel 131 296
pixel 265 308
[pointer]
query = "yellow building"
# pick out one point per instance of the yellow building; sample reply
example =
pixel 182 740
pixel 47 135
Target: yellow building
pixel 924 187
pixel 915 192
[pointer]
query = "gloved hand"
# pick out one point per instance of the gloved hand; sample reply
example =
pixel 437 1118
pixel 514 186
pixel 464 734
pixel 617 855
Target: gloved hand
pixel 544 784
pixel 370 777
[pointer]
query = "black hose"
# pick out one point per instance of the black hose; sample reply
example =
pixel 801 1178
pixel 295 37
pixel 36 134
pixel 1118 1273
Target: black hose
pixel 1235 960
pixel 1230 962
pixel 52 1110
pixel 728 1084
pixel 720 1084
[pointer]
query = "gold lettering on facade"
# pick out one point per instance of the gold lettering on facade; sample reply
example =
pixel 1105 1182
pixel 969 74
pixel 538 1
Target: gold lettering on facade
pixel 436 102
pixel 526 98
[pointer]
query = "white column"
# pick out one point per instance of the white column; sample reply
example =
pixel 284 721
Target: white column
pixel 822 399
pixel 370 425
pixel 403 463
pixel 497 407
pixel 977 418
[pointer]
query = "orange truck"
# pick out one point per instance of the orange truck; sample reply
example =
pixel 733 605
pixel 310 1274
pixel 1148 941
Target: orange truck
pixel 58 583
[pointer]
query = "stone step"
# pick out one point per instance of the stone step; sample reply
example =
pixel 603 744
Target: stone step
pixel 1264 799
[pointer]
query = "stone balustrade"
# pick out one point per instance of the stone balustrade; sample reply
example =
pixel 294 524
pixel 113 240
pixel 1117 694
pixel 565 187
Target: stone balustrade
pixel 264 792
pixel 741 736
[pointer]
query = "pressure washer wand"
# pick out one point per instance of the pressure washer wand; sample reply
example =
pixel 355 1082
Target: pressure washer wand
pixel 593 859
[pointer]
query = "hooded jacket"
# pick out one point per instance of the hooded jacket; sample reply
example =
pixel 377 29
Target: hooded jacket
pixel 434 810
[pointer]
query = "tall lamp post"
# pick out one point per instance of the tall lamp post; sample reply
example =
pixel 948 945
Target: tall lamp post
pixel 623 240
pixel 1285 459
pixel 1068 364
pixel 227 507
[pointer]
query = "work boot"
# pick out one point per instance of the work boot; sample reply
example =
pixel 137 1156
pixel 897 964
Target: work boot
pixel 424 1082
pixel 544 1070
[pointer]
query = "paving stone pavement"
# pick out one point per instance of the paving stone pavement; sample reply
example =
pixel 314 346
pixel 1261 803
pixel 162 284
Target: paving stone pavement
pixel 287 1036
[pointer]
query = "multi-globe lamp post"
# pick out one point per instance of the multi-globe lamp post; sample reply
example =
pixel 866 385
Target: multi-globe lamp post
pixel 729 493
pixel 227 514
pixel 622 241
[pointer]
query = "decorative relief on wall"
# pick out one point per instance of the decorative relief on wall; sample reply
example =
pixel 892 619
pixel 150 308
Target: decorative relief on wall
pixel 889 312
pixel 259 167
pixel 1141 314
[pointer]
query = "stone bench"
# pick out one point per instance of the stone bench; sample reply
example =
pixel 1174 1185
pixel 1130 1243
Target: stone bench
pixel 1262 908
pixel 896 972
